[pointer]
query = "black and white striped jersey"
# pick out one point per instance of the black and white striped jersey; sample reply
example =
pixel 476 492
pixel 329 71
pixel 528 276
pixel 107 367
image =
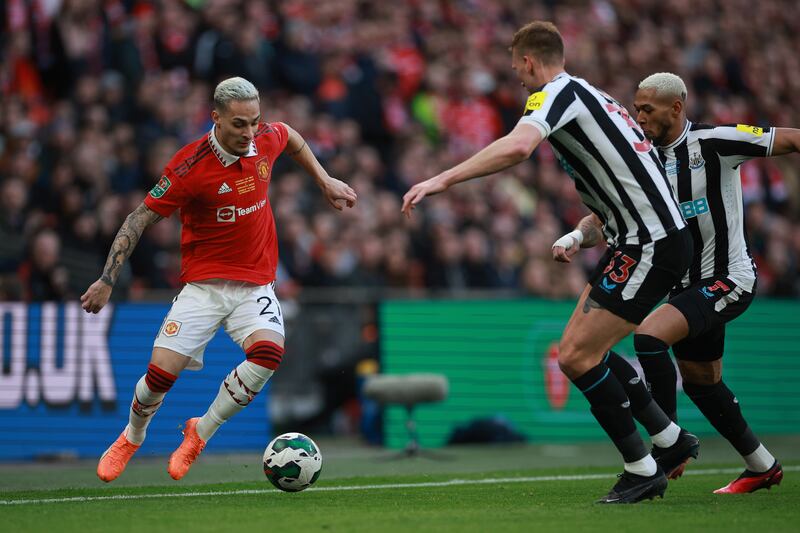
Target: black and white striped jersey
pixel 703 167
pixel 616 171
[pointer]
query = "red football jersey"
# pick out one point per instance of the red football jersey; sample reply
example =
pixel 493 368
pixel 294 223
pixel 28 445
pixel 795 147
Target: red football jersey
pixel 228 228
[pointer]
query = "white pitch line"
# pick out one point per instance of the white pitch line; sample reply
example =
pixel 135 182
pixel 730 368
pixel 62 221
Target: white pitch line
pixel 449 483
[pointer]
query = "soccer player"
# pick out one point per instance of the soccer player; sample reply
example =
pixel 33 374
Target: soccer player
pixel 229 256
pixel 702 163
pixel 619 178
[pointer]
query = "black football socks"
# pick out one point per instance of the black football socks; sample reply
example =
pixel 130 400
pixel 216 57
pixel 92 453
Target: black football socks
pixel 720 407
pixel 643 407
pixel 659 372
pixel 611 407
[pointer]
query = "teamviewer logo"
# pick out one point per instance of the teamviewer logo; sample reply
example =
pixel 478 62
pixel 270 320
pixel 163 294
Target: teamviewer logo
pixel 226 214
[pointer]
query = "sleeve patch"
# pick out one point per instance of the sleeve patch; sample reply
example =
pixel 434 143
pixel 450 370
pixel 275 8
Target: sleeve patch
pixel 752 130
pixel 535 101
pixel 160 188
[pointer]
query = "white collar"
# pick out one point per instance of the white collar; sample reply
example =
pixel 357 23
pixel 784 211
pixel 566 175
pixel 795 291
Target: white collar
pixel 681 137
pixel 224 157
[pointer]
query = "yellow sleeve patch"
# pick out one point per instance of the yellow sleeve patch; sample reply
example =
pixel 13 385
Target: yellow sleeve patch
pixel 752 130
pixel 535 101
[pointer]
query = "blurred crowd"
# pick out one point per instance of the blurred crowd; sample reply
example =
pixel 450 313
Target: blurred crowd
pixel 97 95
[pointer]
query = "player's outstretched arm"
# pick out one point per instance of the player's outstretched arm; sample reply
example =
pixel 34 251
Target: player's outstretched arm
pixel 787 140
pixel 335 191
pixel 503 153
pixel 589 233
pixel 98 293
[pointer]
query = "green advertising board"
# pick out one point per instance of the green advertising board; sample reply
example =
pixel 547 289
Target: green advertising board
pixel 500 360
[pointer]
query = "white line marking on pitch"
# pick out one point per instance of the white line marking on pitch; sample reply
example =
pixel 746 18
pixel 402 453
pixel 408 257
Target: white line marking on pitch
pixel 449 483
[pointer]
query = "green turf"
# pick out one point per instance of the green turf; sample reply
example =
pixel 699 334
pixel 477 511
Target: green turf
pixel 560 505
pixel 540 506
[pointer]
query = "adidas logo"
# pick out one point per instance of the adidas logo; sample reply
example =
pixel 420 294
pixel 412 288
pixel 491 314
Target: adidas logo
pixel 224 188
pixel 275 319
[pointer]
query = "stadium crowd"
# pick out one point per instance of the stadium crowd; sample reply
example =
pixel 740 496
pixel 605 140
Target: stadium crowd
pixel 98 94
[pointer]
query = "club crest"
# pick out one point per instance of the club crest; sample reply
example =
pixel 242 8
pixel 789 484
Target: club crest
pixel 696 161
pixel 262 167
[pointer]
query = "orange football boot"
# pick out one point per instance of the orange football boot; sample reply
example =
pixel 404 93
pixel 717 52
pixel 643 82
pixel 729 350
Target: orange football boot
pixel 181 459
pixel 115 458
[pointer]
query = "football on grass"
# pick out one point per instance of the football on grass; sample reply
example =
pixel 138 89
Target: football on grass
pixel 292 462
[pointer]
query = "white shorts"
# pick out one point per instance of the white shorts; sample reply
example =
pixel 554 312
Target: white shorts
pixel 199 309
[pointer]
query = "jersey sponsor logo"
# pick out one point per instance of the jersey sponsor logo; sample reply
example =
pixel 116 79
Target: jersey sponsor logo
pixel 172 327
pixel 230 212
pixel 224 188
pixel 696 161
pixel 262 166
pixel 242 211
pixel 752 130
pixel 226 214
pixel 693 208
pixel 161 187
pixel 607 286
pixel 535 101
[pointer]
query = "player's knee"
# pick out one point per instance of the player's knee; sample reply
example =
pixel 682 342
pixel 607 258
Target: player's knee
pixel 574 359
pixel 254 376
pixel 158 379
pixel 265 354
pixel 704 373
pixel 645 345
pixel 246 381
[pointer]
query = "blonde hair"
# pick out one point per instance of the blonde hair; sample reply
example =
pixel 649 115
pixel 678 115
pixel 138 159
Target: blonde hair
pixel 234 89
pixel 665 83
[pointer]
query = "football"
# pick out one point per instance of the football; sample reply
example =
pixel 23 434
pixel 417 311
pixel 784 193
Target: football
pixel 292 462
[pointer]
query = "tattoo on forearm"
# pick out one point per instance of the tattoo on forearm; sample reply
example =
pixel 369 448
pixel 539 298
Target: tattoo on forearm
pixel 298 150
pixel 590 304
pixel 591 233
pixel 125 241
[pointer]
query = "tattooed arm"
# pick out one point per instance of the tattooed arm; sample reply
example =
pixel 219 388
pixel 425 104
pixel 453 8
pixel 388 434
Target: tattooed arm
pixel 97 295
pixel 592 229
pixel 589 233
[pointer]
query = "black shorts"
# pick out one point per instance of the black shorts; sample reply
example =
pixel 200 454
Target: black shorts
pixel 708 305
pixel 630 280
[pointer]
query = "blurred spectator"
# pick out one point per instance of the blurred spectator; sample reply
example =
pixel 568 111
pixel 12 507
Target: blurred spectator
pixel 42 275
pixel 97 95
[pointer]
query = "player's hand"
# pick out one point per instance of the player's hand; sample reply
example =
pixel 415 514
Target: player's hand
pixel 336 191
pixel 565 248
pixel 419 191
pixel 96 297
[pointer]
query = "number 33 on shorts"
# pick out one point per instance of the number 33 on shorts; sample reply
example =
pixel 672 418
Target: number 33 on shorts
pixel 620 267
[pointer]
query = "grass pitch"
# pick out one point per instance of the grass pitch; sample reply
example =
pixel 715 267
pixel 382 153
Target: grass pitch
pixel 518 488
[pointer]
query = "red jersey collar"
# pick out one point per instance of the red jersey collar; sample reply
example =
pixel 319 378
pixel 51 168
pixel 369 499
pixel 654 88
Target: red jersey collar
pixel 224 157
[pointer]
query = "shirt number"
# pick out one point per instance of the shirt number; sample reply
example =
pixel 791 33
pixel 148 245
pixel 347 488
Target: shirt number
pixel 640 146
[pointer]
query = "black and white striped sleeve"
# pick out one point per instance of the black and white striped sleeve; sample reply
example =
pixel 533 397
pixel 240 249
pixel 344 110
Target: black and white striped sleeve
pixel 550 108
pixel 737 143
